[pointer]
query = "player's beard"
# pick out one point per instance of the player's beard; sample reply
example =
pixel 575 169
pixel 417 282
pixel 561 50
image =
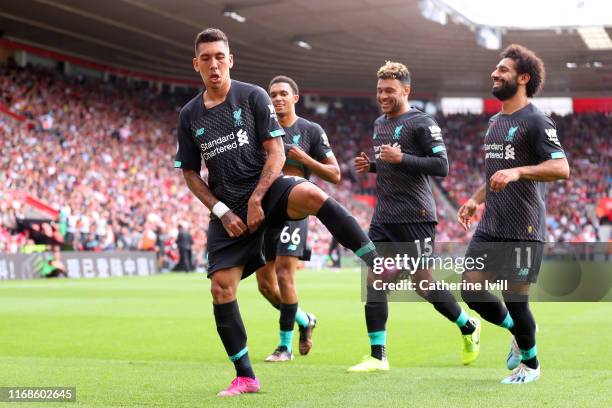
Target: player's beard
pixel 507 90
pixel 396 106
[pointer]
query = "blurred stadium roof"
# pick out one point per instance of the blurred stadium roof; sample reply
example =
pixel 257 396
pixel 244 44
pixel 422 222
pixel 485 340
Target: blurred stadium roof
pixel 350 39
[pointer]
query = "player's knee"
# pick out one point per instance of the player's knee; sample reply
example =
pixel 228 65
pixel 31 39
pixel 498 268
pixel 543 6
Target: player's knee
pixel 263 286
pixel 314 198
pixel 222 292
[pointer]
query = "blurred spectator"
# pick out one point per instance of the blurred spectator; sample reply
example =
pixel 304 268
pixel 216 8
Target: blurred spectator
pixel 102 153
pixel 53 267
pixel 184 242
pixel 335 254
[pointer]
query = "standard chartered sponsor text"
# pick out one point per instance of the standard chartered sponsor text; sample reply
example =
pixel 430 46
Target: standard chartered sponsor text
pixel 219 145
pixel 498 151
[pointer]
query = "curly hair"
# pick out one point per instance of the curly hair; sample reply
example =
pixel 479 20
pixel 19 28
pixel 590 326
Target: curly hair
pixel 527 63
pixel 285 79
pixel 394 70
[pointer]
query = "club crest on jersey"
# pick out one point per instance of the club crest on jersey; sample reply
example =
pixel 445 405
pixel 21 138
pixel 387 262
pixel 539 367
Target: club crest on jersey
pixel 296 139
pixel 199 132
pixel 510 135
pixel 243 137
pixel 396 133
pixel 237 117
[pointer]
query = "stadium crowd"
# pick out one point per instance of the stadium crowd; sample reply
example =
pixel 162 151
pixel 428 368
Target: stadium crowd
pixel 101 153
pixel 571 204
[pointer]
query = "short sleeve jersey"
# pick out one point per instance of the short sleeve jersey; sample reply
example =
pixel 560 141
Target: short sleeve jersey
pixel 309 137
pixel 525 138
pixel 228 138
pixel 404 196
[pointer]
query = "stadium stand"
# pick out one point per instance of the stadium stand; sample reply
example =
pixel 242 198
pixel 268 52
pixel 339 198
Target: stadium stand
pixel 101 154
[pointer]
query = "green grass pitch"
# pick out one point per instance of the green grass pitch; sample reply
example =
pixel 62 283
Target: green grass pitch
pixel 151 341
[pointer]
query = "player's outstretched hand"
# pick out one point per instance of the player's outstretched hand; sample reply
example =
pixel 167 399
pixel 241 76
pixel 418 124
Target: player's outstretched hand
pixel 233 224
pixel 255 215
pixel 362 163
pixel 465 213
pixel 501 178
pixel 391 154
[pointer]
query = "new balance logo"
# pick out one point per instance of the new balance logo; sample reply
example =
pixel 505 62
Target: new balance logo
pixel 200 132
pixel 243 137
pixel 523 272
pixel 509 152
pixel 552 136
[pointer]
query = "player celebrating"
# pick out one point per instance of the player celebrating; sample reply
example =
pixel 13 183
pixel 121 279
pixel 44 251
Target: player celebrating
pixel 522 152
pixel 232 126
pixel 307 151
pixel 408 147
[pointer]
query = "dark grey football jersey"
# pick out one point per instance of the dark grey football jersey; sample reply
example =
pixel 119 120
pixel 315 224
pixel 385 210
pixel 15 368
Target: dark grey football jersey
pixel 228 137
pixel 525 138
pixel 309 137
pixel 404 196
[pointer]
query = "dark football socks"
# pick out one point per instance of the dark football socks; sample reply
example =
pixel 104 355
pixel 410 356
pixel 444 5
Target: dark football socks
pixel 286 322
pixel 234 338
pixel 489 307
pixel 376 314
pixel 345 228
pixel 465 324
pixel 524 328
pixel 446 304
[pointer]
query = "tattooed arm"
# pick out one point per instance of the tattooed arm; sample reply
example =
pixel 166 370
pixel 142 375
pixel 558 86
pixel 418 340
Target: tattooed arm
pixel 271 170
